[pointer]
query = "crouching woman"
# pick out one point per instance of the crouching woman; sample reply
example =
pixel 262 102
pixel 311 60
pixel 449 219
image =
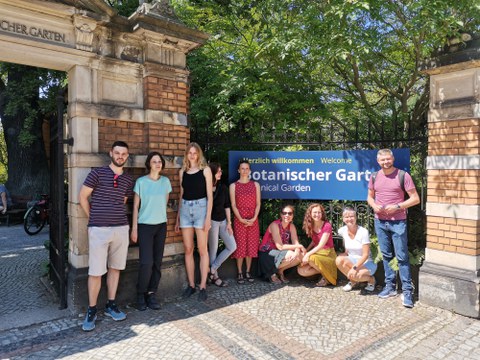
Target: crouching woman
pixel 320 255
pixel 280 249
pixel 356 263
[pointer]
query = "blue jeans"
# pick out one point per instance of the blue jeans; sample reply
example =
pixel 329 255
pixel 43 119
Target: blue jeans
pixel 220 228
pixel 392 239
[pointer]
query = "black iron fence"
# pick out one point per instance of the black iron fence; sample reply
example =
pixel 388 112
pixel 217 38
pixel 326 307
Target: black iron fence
pixel 216 147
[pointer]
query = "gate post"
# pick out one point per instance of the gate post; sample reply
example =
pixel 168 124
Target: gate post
pixel 135 89
pixel 449 277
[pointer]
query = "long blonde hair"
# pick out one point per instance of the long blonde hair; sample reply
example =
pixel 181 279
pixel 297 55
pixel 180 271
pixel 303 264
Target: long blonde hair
pixel 202 163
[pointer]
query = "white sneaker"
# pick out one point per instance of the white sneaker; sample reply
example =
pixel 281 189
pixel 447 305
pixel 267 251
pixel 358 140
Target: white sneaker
pixel 348 287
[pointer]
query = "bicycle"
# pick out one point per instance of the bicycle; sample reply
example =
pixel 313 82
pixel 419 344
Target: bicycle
pixel 37 216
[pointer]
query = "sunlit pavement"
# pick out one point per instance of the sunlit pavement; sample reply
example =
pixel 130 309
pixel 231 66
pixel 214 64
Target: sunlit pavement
pixel 251 321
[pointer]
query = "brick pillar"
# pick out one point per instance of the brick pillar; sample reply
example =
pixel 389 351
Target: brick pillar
pixel 449 277
pixel 165 95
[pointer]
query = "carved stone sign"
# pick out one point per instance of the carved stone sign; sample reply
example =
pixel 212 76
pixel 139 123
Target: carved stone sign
pixel 31 31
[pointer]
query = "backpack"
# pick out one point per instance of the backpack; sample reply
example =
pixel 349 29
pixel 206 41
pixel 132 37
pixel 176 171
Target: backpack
pixel 401 179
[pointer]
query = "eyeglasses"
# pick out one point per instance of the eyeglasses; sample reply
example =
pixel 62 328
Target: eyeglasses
pixel 289 213
pixel 115 180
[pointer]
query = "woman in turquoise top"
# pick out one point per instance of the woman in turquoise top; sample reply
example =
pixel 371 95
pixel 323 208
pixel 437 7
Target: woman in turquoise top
pixel 149 228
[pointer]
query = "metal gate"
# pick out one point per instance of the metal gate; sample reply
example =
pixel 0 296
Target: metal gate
pixel 58 190
pixel 216 145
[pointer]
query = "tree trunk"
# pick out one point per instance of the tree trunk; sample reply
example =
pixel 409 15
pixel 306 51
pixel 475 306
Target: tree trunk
pixel 28 171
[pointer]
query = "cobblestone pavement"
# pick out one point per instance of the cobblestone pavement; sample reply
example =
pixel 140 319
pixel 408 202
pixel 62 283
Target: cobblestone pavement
pixel 23 260
pixel 251 321
pixel 259 321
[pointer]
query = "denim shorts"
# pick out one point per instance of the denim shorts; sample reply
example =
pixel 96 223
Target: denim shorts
pixel 369 264
pixel 193 213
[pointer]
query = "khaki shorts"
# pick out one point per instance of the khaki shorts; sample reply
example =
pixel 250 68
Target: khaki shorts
pixel 108 247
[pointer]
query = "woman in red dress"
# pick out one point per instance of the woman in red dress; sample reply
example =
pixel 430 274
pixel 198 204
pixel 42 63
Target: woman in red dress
pixel 245 201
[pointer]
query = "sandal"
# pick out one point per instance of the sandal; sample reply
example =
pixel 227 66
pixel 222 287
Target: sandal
pixel 240 279
pixel 275 280
pixel 249 277
pixel 322 283
pixel 217 281
pixel 210 278
pixel 283 279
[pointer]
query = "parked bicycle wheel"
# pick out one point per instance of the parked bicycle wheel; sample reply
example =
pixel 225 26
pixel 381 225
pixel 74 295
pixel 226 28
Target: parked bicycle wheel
pixel 34 221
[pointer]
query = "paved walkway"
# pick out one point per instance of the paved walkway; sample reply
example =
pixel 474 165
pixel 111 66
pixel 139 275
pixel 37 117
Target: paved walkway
pixel 23 260
pixel 252 321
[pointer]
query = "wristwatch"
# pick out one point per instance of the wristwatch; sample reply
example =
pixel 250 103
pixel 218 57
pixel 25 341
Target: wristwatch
pixel 354 267
pixel 398 206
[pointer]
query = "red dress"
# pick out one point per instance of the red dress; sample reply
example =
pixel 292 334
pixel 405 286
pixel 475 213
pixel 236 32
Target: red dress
pixel 247 237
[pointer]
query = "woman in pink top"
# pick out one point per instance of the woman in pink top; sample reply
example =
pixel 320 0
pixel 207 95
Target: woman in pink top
pixel 320 255
pixel 245 201
pixel 280 249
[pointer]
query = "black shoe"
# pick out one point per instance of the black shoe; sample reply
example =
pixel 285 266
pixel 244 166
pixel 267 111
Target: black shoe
pixel 189 291
pixel 202 295
pixel 141 305
pixel 152 302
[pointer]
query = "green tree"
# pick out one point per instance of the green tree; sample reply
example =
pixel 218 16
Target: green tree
pixel 274 69
pixel 125 7
pixel 27 100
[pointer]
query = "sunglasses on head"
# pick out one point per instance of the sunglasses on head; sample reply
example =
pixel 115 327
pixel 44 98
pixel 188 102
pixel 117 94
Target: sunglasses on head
pixel 115 180
pixel 287 212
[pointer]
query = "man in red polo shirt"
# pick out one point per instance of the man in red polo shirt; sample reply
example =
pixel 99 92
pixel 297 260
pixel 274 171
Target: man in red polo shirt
pixel 386 196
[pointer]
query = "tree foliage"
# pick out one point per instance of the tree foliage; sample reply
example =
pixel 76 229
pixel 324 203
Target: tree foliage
pixel 27 100
pixel 124 7
pixel 274 69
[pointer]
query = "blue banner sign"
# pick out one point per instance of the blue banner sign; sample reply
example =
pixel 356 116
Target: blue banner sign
pixel 313 175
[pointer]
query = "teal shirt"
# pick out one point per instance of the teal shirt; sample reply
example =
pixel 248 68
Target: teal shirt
pixel 153 199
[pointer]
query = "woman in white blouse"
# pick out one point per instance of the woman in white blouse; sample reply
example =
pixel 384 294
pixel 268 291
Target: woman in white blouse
pixel 356 262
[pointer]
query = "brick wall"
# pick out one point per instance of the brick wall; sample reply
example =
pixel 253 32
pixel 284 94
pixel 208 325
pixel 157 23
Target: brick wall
pixel 454 235
pixel 455 187
pixel 169 140
pixel 455 137
pixel 130 132
pixel 166 95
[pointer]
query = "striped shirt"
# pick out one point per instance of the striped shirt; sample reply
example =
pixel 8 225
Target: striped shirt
pixel 107 202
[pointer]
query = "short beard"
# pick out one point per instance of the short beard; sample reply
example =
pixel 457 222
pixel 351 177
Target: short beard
pixel 117 164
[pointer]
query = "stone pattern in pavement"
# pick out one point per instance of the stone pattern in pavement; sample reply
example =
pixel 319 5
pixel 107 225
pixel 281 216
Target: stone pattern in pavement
pixel 259 321
pixel 24 298
pixel 251 321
